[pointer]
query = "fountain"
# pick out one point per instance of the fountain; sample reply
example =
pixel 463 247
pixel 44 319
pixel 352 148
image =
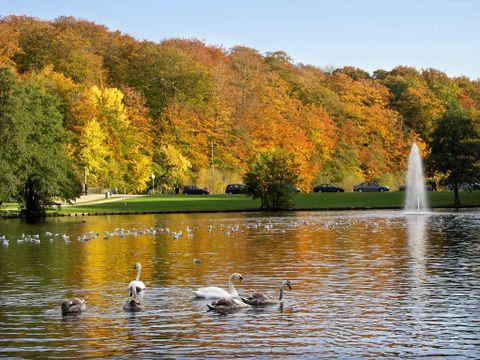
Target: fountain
pixel 415 186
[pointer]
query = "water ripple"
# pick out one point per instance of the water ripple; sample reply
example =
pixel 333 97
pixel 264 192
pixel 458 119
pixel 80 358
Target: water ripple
pixel 367 284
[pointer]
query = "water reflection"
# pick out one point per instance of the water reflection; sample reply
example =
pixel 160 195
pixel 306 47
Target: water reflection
pixel 416 225
pixel 364 284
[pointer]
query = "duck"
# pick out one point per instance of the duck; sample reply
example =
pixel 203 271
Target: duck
pixel 73 306
pixel 225 305
pixel 136 285
pixel 133 303
pixel 213 292
pixel 260 299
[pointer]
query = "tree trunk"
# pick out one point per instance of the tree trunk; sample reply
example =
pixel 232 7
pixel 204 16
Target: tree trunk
pixel 32 204
pixel 455 191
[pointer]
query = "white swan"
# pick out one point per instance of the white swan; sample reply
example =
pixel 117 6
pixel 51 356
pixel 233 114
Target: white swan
pixel 213 292
pixel 136 286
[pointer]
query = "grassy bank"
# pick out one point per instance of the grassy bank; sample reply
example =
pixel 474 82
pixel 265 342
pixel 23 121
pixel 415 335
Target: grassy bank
pixel 179 203
pixel 213 203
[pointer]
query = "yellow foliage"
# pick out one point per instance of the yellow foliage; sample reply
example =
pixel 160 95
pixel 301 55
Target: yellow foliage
pixel 119 155
pixel 94 153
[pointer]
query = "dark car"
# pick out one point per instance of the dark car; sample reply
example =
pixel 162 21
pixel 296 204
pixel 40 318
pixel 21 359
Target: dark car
pixel 404 187
pixel 471 186
pixel 465 186
pixel 194 190
pixel 369 187
pixel 236 189
pixel 327 188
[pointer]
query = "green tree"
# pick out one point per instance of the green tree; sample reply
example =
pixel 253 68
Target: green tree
pixel 13 132
pixel 34 154
pixel 272 176
pixel 166 75
pixel 455 150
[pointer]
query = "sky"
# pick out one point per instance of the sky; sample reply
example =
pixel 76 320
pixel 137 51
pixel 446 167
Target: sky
pixel 370 34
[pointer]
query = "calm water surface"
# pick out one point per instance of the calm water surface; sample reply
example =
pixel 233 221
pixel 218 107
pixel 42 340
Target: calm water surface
pixel 365 284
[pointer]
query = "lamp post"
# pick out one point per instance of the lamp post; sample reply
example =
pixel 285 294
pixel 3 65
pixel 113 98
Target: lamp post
pixel 153 183
pixel 213 172
pixel 85 186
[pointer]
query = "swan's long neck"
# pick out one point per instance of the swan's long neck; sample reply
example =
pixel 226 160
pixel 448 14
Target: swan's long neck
pixel 139 270
pixel 231 287
pixel 280 299
pixel 134 292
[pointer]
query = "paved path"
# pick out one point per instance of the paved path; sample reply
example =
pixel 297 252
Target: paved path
pixel 100 198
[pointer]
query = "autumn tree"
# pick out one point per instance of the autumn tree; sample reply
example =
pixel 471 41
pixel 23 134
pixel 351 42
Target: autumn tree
pixel 113 143
pixel 124 102
pixel 9 44
pixel 170 166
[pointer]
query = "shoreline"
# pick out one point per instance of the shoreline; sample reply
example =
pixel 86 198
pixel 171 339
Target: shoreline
pixel 153 212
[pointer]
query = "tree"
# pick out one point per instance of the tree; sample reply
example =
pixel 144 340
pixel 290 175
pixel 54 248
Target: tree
pixel 420 109
pixel 8 44
pixel 108 139
pixel 272 176
pixel 34 155
pixel 455 150
pixel 342 125
pixel 165 74
pixel 171 166
pixel 13 132
pixel 93 152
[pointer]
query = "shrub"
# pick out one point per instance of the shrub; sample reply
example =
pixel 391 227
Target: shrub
pixel 272 176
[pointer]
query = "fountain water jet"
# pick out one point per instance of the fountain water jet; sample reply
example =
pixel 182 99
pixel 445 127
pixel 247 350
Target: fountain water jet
pixel 416 194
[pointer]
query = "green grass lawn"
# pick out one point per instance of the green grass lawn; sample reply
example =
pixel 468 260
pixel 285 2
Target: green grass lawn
pixel 302 201
pixel 9 206
pixel 170 203
pixel 180 203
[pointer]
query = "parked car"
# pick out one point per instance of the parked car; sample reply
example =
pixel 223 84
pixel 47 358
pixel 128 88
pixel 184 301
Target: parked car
pixel 194 190
pixel 327 188
pixel 404 187
pixel 465 186
pixel 369 187
pixel 236 189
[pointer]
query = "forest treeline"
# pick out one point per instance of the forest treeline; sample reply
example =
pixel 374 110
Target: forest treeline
pixel 128 108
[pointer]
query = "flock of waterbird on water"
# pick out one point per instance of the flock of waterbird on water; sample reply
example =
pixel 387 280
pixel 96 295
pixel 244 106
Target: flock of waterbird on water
pixel 188 231
pixel 224 300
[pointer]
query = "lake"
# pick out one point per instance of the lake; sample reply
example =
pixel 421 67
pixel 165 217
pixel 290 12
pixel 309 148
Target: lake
pixel 364 284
